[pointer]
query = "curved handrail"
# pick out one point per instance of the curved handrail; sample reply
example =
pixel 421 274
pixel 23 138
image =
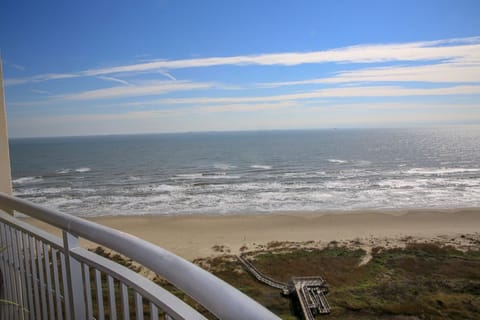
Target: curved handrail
pixel 214 294
pixel 168 302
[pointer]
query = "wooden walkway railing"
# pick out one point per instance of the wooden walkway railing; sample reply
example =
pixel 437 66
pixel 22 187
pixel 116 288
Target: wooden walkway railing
pixel 310 291
pixel 261 277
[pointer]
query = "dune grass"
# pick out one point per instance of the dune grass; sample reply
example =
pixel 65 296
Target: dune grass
pixel 418 281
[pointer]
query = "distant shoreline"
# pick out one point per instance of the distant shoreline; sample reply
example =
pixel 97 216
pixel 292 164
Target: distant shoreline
pixel 193 236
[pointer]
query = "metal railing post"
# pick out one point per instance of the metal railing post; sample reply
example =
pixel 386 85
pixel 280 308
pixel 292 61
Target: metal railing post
pixel 74 278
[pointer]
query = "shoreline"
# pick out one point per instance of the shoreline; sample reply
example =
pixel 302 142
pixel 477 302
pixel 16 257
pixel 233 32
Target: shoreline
pixel 193 236
pixel 389 211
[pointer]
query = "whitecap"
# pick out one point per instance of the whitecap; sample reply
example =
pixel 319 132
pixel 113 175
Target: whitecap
pixel 27 180
pixel 188 176
pixel 295 174
pixel 440 171
pixel 42 191
pixel 339 161
pixel 64 171
pixel 160 188
pixel 82 170
pixel 223 166
pixel 401 184
pixel 304 175
pixel 261 166
pixel 220 176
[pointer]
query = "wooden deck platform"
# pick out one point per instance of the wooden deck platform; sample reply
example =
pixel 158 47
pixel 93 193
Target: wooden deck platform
pixel 311 291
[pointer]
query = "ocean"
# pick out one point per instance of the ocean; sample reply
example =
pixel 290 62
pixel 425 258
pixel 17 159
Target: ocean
pixel 250 172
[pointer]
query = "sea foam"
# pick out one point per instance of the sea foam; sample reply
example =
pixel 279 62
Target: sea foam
pixel 24 180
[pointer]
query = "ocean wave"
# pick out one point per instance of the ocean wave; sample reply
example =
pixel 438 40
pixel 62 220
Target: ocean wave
pixel 304 175
pixel 210 175
pixel 64 171
pixel 402 184
pixel 248 187
pixel 218 176
pixel 188 176
pixel 53 191
pixel 440 171
pixel 160 188
pixel 338 161
pixel 263 197
pixel 85 169
pixel 58 203
pixel 223 166
pixel 352 173
pixel 261 166
pixel 362 162
pixel 24 180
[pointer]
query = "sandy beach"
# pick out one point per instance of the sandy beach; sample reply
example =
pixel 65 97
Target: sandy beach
pixel 193 236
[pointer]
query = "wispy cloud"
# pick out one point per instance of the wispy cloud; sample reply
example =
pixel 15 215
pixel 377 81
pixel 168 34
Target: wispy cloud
pixel 244 107
pixel 40 78
pixel 7 63
pixel 466 49
pixel 342 92
pixel 434 73
pixel 148 89
pixel 114 80
pixel 40 91
pixel 16 66
pixel 163 87
pixel 152 88
pixel 463 50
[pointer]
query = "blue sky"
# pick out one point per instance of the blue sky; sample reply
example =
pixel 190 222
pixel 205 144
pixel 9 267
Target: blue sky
pixel 119 67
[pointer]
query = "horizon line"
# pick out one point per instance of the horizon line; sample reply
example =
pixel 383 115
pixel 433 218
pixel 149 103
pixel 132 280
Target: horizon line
pixel 433 126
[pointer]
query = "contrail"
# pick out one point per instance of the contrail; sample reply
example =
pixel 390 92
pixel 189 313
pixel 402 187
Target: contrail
pixel 114 80
pixel 168 75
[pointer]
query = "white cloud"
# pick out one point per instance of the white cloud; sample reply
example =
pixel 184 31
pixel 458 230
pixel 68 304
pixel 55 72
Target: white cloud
pixel 149 89
pixel 244 107
pixel 436 73
pixel 342 92
pixel 163 87
pixel 445 72
pixel 453 49
pixel 40 78
pixel 464 50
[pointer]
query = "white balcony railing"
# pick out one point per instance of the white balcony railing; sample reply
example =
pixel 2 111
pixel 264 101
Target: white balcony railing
pixel 46 277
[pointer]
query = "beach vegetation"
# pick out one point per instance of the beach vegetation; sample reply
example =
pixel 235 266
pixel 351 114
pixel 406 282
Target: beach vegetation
pixel 417 281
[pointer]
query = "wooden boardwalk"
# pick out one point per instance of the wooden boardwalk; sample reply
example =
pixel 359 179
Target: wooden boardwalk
pixel 261 277
pixel 311 291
